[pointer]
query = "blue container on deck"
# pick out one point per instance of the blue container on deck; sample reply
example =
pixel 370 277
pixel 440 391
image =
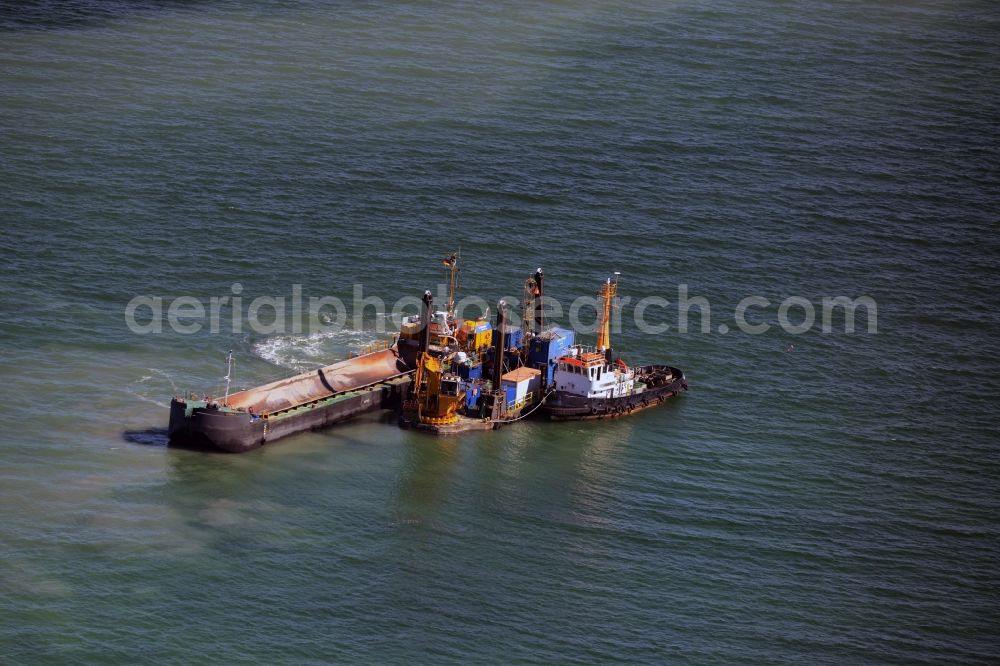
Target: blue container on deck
pixel 511 337
pixel 468 371
pixel 511 391
pixel 546 347
pixel 472 393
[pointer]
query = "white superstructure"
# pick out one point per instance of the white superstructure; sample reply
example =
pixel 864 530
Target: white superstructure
pixel 588 374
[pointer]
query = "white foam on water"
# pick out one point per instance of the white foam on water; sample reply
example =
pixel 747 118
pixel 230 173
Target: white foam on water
pixel 165 375
pixel 140 389
pixel 158 403
pixel 304 352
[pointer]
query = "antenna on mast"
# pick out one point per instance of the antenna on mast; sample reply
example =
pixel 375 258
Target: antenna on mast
pixel 229 376
pixel 452 264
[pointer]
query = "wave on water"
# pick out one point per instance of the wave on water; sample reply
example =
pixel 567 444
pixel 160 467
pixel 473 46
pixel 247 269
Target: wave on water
pixel 143 398
pixel 308 351
pixel 141 387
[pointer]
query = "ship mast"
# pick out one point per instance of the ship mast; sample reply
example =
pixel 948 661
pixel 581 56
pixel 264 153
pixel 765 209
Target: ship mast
pixel 532 309
pixel 452 264
pixel 229 376
pixel 607 295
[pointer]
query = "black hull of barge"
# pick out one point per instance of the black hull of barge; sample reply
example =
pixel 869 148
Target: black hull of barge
pixel 240 432
pixel 662 381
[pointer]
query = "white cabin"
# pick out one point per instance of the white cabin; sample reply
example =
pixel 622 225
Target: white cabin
pixel 588 374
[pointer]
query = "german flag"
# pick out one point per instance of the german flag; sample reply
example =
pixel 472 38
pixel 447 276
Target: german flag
pixel 450 261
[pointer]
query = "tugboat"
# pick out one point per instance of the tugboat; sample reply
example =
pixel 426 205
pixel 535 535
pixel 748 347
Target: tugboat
pixel 588 384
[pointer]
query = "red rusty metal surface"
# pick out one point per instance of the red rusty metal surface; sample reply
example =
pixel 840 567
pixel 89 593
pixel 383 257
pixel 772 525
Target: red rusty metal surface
pixel 322 383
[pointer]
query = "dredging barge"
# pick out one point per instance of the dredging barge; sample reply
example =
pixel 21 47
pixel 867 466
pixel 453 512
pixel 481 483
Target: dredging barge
pixel 444 376
pixel 308 401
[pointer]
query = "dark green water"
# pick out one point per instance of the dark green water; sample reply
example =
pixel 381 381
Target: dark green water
pixel 836 503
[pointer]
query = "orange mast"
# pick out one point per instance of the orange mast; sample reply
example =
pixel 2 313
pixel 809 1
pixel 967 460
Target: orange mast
pixel 607 295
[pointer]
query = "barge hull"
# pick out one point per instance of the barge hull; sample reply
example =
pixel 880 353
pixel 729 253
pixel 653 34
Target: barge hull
pixel 237 432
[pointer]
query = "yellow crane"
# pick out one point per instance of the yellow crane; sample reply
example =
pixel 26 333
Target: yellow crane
pixel 438 397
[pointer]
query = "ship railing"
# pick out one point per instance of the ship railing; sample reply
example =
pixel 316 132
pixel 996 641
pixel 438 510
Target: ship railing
pixel 519 404
pixel 371 348
pixel 584 349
